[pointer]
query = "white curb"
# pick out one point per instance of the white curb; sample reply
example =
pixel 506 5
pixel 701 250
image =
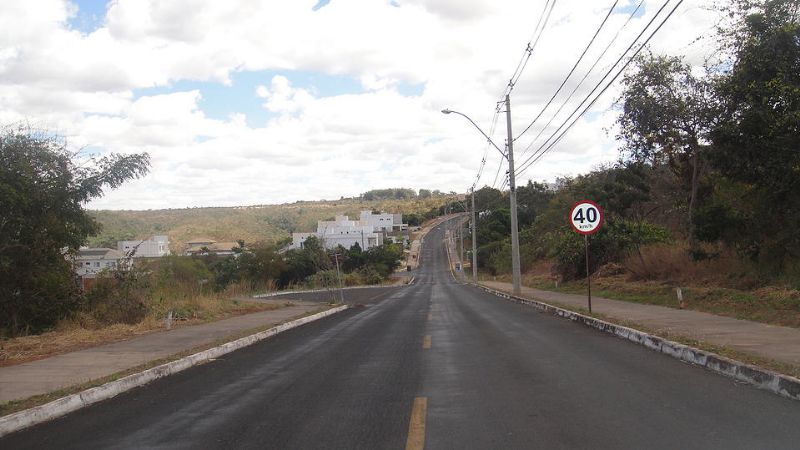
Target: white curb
pixel 777 383
pixel 70 403
pixel 313 291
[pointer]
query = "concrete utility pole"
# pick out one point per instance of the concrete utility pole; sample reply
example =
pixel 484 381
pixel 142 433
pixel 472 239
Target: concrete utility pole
pixel 461 245
pixel 474 243
pixel 515 267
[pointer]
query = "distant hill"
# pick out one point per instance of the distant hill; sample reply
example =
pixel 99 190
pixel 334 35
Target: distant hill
pixel 260 223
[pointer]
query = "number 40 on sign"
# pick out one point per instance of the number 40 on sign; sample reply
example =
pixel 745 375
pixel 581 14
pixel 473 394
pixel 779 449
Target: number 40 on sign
pixel 586 217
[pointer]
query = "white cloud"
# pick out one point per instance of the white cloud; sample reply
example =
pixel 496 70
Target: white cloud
pixel 314 145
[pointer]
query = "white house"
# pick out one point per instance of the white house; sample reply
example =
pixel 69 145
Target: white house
pixel 155 247
pixel 384 222
pixel 88 262
pixel 369 231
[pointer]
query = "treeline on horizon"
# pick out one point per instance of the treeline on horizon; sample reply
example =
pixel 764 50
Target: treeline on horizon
pixel 402 194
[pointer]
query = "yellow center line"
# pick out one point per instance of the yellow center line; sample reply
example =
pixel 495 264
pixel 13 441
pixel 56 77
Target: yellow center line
pixel 416 426
pixel 427 342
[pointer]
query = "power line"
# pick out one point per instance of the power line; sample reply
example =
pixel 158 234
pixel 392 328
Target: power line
pixel 544 148
pixel 585 76
pixel 571 71
pixel 544 17
pixel 541 24
pixel 486 151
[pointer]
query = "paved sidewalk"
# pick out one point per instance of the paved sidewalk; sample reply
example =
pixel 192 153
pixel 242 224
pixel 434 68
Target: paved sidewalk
pixel 767 341
pixel 61 371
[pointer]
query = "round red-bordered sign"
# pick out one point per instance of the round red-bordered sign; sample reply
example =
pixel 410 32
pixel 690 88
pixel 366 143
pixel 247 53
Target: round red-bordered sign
pixel 586 217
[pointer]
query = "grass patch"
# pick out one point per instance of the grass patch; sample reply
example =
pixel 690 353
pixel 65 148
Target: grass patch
pixel 81 333
pixel 772 305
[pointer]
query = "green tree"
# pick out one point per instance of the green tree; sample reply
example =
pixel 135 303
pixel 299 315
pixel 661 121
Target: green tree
pixel 757 140
pixel 532 198
pixel 304 262
pixel 487 199
pixel 667 116
pixel 42 194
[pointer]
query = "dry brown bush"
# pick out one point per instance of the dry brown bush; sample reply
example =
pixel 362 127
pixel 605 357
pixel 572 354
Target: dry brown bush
pixel 672 263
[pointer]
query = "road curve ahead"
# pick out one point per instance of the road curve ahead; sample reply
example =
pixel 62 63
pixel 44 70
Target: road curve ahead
pixel 438 365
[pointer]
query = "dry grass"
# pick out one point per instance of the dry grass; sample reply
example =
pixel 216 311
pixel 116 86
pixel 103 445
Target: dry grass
pixel 672 263
pixel 704 287
pixel 83 332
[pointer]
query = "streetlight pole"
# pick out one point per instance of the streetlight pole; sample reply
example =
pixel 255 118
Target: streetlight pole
pixel 509 156
pixel 461 245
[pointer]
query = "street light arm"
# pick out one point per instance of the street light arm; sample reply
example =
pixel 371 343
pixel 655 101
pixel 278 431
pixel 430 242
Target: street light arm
pixel 448 111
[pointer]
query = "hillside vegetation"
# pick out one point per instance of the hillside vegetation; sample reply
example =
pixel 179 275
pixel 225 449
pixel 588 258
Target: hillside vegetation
pixel 261 223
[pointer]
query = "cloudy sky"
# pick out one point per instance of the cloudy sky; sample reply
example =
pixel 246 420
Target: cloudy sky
pixel 245 102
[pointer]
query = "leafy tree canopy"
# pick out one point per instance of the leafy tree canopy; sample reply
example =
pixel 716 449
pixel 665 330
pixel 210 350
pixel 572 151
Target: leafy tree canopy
pixel 42 193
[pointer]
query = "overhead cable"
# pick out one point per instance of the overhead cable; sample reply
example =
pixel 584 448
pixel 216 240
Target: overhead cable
pixel 572 70
pixel 585 76
pixel 545 147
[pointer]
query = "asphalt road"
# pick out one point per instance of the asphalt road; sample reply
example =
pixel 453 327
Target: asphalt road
pixel 440 364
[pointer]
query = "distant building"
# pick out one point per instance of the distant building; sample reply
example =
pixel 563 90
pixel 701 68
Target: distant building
pixel 369 231
pixel 89 263
pixel 155 247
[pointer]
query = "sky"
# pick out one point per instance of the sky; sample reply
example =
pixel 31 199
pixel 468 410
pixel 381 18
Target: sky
pixel 246 102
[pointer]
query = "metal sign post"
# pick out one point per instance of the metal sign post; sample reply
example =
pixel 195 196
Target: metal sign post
pixel 588 278
pixel 586 217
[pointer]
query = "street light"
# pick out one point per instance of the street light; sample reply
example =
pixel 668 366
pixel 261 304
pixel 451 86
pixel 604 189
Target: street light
pixel 450 111
pixel 509 156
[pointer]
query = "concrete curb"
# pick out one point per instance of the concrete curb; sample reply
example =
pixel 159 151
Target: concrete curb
pixel 57 408
pixel 783 385
pixel 312 291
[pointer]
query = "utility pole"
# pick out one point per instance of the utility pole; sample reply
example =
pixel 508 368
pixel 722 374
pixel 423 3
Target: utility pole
pixel 461 246
pixel 515 267
pixel 474 244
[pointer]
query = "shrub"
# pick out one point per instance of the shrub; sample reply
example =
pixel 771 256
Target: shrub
pixel 122 297
pixel 612 243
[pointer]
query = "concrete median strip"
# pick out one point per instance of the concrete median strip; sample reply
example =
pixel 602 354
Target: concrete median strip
pixel 70 403
pixel 316 291
pixel 783 385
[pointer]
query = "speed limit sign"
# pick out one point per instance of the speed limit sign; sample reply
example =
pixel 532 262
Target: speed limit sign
pixel 586 217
